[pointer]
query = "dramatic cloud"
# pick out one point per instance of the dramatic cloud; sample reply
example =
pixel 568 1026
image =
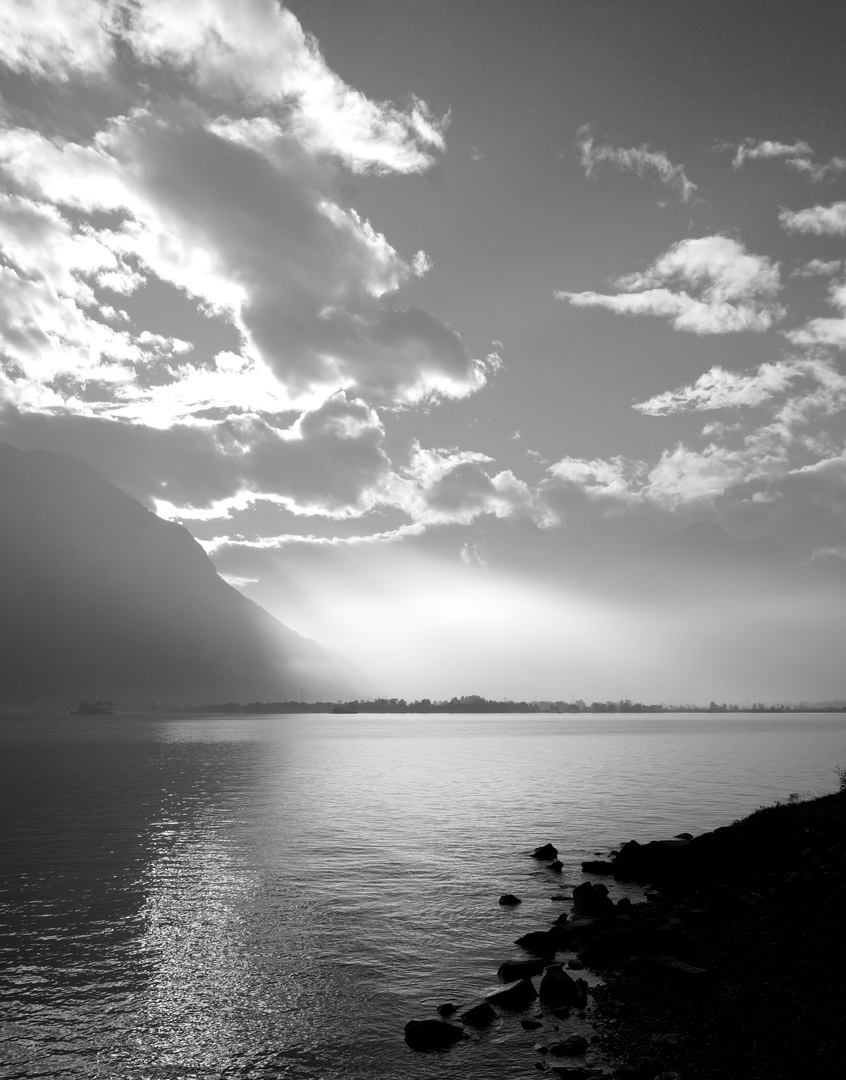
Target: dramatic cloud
pixel 251 54
pixel 244 221
pixel 640 160
pixel 817 220
pixel 710 285
pixel 224 187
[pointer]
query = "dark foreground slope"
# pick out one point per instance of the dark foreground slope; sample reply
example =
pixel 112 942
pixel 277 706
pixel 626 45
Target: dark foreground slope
pixel 100 598
pixel 756 915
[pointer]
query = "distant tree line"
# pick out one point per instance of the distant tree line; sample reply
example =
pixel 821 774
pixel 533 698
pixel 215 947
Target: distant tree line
pixel 474 703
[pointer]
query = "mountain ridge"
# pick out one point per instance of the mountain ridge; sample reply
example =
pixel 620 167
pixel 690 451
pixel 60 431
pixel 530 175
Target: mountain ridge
pixel 99 598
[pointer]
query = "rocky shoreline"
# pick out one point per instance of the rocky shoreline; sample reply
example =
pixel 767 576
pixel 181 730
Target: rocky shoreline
pixel 733 966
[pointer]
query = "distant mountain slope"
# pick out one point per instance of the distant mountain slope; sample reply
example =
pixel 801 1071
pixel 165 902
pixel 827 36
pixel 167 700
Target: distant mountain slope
pixel 709 543
pixel 100 598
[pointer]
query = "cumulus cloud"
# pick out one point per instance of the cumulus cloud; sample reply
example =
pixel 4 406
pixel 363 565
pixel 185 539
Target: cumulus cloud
pixel 616 477
pixel 453 486
pixel 709 285
pixel 52 39
pixel 640 160
pixel 816 220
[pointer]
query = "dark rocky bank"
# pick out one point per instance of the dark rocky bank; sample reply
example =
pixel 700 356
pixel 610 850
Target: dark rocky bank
pixel 733 967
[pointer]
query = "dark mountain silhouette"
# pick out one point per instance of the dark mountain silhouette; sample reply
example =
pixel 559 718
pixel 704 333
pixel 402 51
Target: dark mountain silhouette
pixel 704 559
pixel 100 598
pixel 706 542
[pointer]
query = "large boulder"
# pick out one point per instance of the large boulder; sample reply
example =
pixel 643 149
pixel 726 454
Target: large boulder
pixel 428 1035
pixel 590 899
pixel 479 1015
pixel 540 942
pixel 516 995
pixel 661 861
pixel 547 851
pixel 509 900
pixel 519 969
pixel 557 988
pixel 597 866
pixel 603 951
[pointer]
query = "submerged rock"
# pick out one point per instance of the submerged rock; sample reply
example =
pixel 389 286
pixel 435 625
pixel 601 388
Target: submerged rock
pixel 509 900
pixel 547 851
pixel 447 1009
pixel 676 969
pixel 573 1046
pixel 479 1015
pixel 556 866
pixel 427 1035
pixel 516 995
pixel 519 969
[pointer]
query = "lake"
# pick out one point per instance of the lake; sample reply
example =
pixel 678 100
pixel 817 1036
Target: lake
pixel 275 896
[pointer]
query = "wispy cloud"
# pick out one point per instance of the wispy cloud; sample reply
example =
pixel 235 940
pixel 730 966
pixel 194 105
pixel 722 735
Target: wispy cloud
pixel 816 172
pixel 710 285
pixel 283 540
pixel 797 155
pixel 766 150
pixel 818 268
pixel 640 160
pixel 723 389
pixel 825 331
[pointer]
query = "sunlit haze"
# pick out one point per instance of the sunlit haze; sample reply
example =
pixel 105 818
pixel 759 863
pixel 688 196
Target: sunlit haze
pixel 497 347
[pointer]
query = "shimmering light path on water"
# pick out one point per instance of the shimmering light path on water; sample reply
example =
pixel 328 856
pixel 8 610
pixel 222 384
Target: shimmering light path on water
pixel 275 896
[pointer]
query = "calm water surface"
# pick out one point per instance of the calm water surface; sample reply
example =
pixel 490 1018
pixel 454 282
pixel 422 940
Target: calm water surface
pixel 275 896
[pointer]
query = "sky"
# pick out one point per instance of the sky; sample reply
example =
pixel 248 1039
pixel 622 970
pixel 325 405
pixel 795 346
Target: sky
pixel 437 323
